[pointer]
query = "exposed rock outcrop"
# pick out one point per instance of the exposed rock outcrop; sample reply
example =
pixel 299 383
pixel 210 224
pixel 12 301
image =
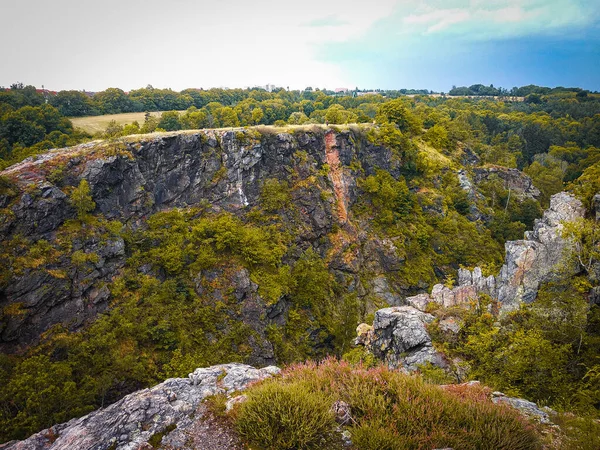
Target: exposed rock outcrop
pixel 137 177
pixel 399 338
pixel 528 263
pixel 514 180
pixel 527 408
pixel 170 409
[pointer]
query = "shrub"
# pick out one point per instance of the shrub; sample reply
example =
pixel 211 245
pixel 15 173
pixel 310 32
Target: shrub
pixel 581 433
pixel 390 410
pixel 81 199
pixel 274 195
pixel 286 416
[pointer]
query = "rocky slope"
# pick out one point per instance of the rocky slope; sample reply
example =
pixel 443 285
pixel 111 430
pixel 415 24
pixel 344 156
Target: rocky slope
pixel 528 263
pixel 167 414
pixel 399 335
pixel 130 180
pixel 172 415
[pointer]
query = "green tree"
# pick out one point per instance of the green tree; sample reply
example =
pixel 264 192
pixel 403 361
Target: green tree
pixel 226 117
pixel 113 130
pixel 169 121
pixel 395 111
pixel 81 199
pixel 257 116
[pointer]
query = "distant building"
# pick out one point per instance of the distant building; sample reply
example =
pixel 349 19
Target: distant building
pixel 45 91
pixel 341 90
pixel 266 87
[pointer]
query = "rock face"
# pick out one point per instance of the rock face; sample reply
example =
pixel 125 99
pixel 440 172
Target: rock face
pixel 399 338
pixel 131 180
pixel 535 259
pixel 515 180
pixel 528 263
pixel 132 421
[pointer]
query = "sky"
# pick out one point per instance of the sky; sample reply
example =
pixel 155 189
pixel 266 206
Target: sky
pixel 386 44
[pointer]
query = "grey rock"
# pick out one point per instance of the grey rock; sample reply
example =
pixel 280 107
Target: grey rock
pixel 519 184
pixel 594 295
pixel 529 262
pixel 253 309
pixel 399 338
pixel 538 257
pixel 450 324
pixel 466 184
pixel 527 408
pixel 382 289
pixel 419 301
pixel 129 423
pixel 230 404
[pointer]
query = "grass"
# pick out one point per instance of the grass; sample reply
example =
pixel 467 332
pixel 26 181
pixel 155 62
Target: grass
pixel 98 124
pixel 390 410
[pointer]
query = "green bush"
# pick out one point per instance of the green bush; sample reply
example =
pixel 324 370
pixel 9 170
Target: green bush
pixel 390 410
pixel 286 416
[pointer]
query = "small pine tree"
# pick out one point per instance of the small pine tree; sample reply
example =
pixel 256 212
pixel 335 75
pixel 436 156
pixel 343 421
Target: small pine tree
pixel 82 200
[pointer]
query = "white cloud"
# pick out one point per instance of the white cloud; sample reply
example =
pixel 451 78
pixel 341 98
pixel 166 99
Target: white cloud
pixel 494 18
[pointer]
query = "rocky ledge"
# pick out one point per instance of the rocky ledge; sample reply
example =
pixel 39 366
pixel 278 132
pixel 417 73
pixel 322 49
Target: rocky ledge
pixel 169 414
pixel 528 263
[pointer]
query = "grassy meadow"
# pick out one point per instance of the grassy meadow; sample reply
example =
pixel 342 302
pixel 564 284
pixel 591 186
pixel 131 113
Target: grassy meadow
pixel 98 124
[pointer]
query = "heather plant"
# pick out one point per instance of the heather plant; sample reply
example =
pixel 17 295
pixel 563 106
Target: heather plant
pixel 390 410
pixel 287 416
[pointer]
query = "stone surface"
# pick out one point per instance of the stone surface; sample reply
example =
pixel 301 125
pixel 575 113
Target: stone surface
pixel 419 301
pixel 129 423
pixel 528 263
pixel 212 285
pixel 450 324
pixel 527 408
pixel 519 184
pixel 539 256
pixel 399 338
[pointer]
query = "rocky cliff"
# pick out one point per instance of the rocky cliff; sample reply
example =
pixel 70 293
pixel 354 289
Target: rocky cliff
pixel 399 335
pixel 132 179
pixel 528 263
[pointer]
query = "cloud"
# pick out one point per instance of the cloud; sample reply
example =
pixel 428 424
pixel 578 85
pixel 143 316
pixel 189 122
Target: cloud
pixel 244 42
pixel 438 20
pixel 478 20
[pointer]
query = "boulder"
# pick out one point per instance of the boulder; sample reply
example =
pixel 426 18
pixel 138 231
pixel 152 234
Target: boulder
pixel 525 407
pixel 399 338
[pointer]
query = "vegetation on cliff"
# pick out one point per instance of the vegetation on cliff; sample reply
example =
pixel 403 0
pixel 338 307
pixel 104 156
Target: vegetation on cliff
pixel 277 281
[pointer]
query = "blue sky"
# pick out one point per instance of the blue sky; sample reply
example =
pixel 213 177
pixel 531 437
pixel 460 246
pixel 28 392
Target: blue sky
pixel 431 44
pixel 506 43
